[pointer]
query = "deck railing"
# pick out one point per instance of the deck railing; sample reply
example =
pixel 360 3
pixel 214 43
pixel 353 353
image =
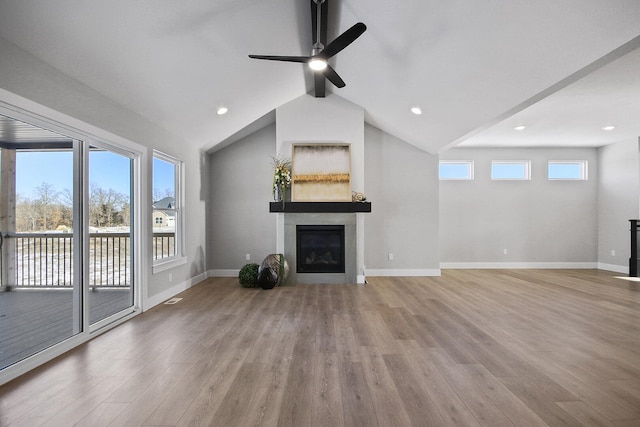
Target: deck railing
pixel 46 259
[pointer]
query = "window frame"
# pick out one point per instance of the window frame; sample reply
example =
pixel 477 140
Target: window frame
pixel 525 163
pixel 584 169
pixel 470 168
pixel 178 258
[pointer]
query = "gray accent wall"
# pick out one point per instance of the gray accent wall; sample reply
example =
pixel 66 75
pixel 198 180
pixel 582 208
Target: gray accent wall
pixel 424 222
pixel 619 194
pixel 238 218
pixel 402 185
pixel 536 221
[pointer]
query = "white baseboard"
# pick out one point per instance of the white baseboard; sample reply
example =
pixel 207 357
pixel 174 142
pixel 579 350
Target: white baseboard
pixel 518 265
pixel 359 278
pixel 402 272
pixel 172 291
pixel 223 273
pixel 615 268
pixel 234 273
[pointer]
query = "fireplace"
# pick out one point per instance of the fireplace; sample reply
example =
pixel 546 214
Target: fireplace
pixel 320 249
pixel 321 222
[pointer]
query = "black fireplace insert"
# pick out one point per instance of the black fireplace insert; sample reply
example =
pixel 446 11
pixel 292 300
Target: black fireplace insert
pixel 320 249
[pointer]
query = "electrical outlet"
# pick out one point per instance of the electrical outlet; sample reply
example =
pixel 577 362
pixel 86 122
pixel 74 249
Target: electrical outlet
pixel 390 256
pixel 248 257
pixel 613 252
pixel 504 251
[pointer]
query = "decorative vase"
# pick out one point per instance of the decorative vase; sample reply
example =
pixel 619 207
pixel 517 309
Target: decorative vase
pixel 273 271
pixel 277 194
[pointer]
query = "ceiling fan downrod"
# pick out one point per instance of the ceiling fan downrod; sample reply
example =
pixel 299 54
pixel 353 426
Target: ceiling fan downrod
pixel 318 46
pixel 317 64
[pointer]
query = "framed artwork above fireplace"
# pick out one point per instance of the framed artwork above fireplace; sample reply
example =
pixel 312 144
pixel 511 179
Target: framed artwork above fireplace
pixel 321 172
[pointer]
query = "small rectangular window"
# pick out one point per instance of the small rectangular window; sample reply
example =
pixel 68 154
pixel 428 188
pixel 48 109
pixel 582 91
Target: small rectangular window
pixel 511 169
pixel 567 170
pixel 456 169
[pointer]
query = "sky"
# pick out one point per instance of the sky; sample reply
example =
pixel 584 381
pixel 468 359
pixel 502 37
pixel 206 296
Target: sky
pixel 106 170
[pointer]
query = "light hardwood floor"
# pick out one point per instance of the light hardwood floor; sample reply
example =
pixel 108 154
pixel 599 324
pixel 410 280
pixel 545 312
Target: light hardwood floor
pixel 473 347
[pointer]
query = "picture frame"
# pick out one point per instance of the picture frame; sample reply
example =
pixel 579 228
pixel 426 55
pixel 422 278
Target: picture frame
pixel 321 172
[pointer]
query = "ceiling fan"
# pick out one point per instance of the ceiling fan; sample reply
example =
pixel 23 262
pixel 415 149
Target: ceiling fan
pixel 318 60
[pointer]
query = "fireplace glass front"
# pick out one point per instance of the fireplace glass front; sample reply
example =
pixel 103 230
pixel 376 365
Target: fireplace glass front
pixel 320 249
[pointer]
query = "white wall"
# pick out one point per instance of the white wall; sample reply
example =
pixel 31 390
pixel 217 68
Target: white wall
pixel 540 223
pixel 35 86
pixel 619 200
pixel 324 120
pixel 332 119
pixel 402 185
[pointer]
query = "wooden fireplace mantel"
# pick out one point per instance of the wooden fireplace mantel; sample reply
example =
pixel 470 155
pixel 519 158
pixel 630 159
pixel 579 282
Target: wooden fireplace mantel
pixel 320 207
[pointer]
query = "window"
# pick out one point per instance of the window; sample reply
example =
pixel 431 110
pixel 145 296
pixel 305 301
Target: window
pixel 167 209
pixel 567 170
pixel 456 169
pixel 511 169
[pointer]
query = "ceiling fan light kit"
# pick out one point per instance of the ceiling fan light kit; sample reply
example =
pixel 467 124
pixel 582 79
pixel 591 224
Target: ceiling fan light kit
pixel 320 54
pixel 317 64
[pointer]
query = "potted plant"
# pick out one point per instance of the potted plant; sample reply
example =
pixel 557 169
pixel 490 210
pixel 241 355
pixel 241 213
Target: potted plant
pixel 281 178
pixel 248 275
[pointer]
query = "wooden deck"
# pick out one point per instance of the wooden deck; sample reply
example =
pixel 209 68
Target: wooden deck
pixel 470 348
pixel 32 320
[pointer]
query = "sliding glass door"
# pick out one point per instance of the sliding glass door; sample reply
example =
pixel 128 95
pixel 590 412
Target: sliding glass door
pixel 110 233
pixel 41 293
pixel 66 238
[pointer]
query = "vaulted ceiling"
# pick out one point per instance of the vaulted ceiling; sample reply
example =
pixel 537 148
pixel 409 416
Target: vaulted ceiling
pixel 475 68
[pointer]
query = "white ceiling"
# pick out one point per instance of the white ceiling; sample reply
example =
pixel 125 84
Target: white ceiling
pixel 576 114
pixel 468 64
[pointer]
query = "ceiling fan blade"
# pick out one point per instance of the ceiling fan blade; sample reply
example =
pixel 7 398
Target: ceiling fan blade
pixel 343 40
pixel 282 58
pixel 319 85
pixel 333 77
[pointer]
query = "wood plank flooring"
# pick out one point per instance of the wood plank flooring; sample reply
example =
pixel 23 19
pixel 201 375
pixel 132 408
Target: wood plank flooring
pixel 470 348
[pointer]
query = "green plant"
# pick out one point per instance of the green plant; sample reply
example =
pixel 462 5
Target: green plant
pixel 281 176
pixel 249 275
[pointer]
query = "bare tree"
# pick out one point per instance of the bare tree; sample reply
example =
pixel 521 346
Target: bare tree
pixel 66 207
pixel 46 204
pixel 159 194
pixel 26 215
pixel 107 207
pixel 50 209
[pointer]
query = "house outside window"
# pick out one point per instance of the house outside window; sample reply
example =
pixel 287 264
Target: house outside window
pixel 167 210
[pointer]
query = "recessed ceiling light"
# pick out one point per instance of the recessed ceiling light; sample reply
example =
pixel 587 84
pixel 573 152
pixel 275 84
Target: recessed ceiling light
pixel 222 110
pixel 520 127
pixel 608 127
pixel 416 110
